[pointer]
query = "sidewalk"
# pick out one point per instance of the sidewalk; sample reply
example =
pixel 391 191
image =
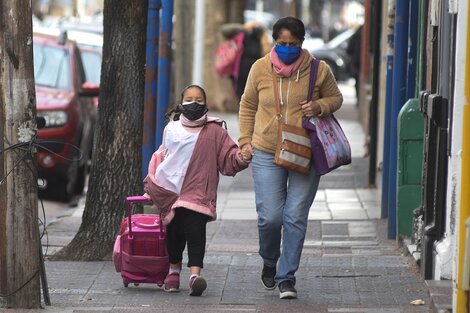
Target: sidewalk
pixel 348 264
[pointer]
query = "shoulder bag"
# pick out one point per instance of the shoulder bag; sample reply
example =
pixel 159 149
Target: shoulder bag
pixel 330 147
pixel 293 151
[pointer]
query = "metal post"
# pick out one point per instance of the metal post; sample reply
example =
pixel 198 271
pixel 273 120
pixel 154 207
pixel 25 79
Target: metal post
pixel 421 44
pixel 412 49
pixel 462 99
pixel 164 66
pixel 398 100
pixel 198 57
pixel 151 79
pixel 388 105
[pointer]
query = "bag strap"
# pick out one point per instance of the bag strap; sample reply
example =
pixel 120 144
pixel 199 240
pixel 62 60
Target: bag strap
pixel 313 78
pixel 311 85
pixel 276 97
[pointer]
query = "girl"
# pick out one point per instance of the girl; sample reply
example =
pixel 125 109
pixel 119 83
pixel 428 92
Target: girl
pixel 183 178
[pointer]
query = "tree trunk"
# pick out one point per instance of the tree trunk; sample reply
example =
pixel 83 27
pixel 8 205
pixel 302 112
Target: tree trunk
pixel 316 20
pixel 19 230
pixel 117 155
pixel 183 38
pixel 220 93
pixel 234 10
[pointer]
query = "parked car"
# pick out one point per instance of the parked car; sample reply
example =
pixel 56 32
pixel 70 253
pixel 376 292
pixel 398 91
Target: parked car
pixel 90 43
pixel 334 53
pixel 91 49
pixel 64 100
pixel 312 43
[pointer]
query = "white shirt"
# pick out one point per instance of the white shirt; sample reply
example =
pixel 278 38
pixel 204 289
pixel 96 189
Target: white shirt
pixel 180 145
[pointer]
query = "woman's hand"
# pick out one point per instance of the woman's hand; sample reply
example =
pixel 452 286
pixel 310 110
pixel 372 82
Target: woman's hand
pixel 247 152
pixel 310 108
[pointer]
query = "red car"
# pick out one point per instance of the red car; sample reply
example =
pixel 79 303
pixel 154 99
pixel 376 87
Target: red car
pixel 64 100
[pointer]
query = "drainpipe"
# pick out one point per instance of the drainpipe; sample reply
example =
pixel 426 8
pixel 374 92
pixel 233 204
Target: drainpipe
pixel 374 103
pixel 164 68
pixel 461 291
pixel 388 105
pixel 398 100
pixel 148 145
pixel 420 78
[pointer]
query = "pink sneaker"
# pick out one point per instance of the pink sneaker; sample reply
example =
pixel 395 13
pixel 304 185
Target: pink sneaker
pixel 197 285
pixel 172 282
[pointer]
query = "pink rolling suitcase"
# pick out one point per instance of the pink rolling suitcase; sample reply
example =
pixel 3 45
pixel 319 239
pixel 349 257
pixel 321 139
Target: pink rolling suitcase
pixel 140 253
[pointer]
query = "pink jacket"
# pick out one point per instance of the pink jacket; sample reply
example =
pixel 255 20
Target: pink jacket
pixel 214 152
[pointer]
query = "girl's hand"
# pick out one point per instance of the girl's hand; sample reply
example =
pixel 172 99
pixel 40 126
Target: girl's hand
pixel 310 108
pixel 247 152
pixel 146 195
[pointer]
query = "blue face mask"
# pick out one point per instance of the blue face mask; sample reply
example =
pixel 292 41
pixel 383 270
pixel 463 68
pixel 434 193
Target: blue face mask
pixel 288 54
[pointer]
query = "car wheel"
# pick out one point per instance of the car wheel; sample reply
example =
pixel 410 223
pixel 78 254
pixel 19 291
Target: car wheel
pixel 81 177
pixel 63 189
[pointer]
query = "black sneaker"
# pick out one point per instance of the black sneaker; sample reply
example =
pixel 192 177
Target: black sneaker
pixel 287 290
pixel 267 277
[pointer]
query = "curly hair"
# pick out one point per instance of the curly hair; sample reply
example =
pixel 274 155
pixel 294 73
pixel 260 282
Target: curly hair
pixel 292 24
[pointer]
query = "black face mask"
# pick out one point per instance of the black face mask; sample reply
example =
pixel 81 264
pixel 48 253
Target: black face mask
pixel 193 111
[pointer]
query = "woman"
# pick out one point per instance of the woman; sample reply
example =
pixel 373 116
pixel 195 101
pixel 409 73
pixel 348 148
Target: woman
pixel 283 197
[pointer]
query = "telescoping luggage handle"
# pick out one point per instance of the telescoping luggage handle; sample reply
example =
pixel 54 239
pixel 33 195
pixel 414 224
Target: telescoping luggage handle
pixel 129 213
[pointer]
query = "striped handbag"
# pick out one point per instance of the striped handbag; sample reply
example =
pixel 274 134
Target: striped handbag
pixel 293 150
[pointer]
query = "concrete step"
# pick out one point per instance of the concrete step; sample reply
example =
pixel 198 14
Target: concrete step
pixel 440 292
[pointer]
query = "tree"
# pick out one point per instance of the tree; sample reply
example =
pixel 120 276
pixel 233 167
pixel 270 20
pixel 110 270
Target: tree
pixel 19 229
pixel 219 91
pixel 117 154
pixel 183 38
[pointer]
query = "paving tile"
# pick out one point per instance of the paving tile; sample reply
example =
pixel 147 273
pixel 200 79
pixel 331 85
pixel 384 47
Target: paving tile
pixel 353 214
pixel 351 205
pixel 341 195
pixel 368 195
pixel 241 215
pixel 321 215
pixel 373 210
pixel 320 196
pixel 334 229
pixel 361 229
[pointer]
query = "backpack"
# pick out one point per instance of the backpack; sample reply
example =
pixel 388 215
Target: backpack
pixel 228 56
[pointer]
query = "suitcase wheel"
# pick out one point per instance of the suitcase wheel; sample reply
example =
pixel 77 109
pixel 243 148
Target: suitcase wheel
pixel 136 284
pixel 126 284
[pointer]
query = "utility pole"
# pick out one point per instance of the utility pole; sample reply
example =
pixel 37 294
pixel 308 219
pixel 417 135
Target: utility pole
pixel 183 40
pixel 19 231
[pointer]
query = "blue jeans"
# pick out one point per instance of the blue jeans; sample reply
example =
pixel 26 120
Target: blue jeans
pixel 283 200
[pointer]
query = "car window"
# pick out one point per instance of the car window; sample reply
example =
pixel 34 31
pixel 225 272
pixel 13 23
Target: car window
pixel 81 78
pixel 340 39
pixel 51 67
pixel 92 65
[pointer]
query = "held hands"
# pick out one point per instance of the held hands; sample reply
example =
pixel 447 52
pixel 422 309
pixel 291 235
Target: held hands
pixel 247 152
pixel 310 108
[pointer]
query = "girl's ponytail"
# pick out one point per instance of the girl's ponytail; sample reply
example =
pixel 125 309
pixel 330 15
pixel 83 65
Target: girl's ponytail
pixel 174 110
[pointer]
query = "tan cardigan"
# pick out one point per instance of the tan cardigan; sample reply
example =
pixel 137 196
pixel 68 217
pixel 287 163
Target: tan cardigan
pixel 258 124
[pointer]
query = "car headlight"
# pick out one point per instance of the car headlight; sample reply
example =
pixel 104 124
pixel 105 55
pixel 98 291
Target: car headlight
pixel 54 118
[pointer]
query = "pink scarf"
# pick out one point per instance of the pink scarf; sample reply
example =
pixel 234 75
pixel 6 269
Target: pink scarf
pixel 282 69
pixel 193 124
pixel 199 122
